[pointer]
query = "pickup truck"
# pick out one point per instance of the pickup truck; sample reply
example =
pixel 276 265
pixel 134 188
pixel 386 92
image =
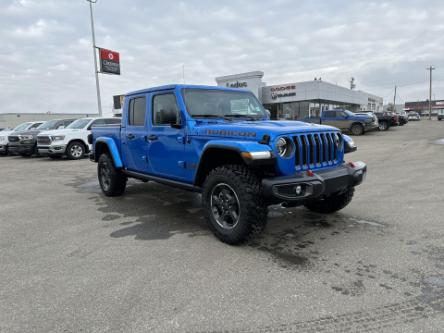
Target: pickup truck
pixel 26 145
pixel 220 142
pixel 4 135
pixel 71 141
pixel 345 120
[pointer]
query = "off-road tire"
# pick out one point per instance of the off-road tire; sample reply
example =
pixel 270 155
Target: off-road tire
pixel 332 203
pixel 357 129
pixel 112 181
pixel 247 188
pixel 383 126
pixel 71 155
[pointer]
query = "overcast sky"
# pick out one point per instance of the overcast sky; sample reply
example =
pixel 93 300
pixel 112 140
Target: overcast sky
pixel 46 59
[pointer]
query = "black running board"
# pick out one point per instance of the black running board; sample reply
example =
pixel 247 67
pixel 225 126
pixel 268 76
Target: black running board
pixel 173 183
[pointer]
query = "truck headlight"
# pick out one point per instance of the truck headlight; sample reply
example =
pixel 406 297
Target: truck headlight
pixel 349 144
pixel 57 137
pixel 284 147
pixel 2 139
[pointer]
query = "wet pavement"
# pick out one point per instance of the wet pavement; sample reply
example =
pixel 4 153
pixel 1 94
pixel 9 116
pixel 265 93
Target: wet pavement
pixel 72 260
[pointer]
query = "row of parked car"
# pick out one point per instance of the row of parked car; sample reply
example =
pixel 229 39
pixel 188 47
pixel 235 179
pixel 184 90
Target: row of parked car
pixel 362 122
pixel 53 138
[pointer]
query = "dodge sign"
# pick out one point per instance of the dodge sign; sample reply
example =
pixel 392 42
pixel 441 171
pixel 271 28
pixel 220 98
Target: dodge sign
pixel 109 61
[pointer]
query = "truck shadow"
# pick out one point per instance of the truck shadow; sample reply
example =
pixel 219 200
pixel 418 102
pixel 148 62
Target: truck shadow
pixel 294 238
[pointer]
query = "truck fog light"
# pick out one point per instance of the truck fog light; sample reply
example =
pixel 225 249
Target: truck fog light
pixel 298 189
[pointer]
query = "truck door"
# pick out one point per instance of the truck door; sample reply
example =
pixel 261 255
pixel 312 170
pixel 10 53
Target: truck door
pixel 329 118
pixel 166 145
pixel 133 132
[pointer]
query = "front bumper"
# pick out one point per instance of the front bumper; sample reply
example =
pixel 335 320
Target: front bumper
pixel 56 150
pixel 309 185
pixel 371 126
pixel 3 148
pixel 22 148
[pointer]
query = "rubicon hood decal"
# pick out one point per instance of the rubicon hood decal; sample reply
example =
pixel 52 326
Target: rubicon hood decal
pixel 230 133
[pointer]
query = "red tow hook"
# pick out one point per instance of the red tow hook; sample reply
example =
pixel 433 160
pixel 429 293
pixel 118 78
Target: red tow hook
pixel 351 164
pixel 310 173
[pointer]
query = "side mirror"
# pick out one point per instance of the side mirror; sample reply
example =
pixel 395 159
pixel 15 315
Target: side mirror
pixel 268 113
pixel 61 127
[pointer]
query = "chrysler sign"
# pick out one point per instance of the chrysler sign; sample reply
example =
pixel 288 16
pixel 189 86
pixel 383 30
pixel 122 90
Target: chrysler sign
pixel 109 61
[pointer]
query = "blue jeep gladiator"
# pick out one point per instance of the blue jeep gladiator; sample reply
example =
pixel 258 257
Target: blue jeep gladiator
pixel 221 142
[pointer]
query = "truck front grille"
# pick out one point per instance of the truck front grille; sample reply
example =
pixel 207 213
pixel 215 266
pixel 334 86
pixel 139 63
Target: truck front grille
pixel 317 150
pixel 43 140
pixel 13 138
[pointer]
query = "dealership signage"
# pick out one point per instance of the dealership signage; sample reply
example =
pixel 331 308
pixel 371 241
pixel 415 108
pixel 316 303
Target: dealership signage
pixel 288 90
pixel 109 61
pixel 237 84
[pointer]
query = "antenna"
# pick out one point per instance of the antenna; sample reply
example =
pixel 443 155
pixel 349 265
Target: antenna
pixel 352 83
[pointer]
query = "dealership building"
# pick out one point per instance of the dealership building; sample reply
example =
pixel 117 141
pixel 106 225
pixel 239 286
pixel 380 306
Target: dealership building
pixel 302 99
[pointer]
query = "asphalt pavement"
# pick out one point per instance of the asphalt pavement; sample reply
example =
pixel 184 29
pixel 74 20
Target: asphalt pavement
pixel 72 260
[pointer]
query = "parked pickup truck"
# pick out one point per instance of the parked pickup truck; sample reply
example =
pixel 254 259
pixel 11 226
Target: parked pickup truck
pixel 220 142
pixel 346 120
pixel 4 135
pixel 26 145
pixel 71 141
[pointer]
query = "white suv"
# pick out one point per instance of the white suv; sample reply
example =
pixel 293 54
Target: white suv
pixel 4 142
pixel 71 141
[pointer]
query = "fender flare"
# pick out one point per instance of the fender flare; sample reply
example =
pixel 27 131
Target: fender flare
pixel 112 148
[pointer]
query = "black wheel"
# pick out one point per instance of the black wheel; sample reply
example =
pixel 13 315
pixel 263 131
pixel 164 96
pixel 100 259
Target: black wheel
pixel 357 129
pixel 383 126
pixel 332 203
pixel 233 204
pixel 112 181
pixel 75 150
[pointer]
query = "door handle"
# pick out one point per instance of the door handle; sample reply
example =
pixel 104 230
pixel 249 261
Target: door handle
pixel 151 137
pixel 130 136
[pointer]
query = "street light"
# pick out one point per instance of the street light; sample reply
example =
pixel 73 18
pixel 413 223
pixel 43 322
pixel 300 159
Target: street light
pixel 96 73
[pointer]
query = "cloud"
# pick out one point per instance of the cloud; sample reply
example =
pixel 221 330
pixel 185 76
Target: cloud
pixel 46 55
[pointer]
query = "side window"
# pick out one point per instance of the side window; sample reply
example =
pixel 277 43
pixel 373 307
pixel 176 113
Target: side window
pixel 112 121
pixel 97 122
pixel 165 110
pixel 137 111
pixel 35 125
pixel 329 114
pixel 341 114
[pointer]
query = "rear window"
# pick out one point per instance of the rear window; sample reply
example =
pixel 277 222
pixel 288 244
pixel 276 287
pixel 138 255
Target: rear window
pixel 137 111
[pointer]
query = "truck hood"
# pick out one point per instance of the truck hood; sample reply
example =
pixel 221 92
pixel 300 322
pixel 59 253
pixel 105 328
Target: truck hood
pixel 257 129
pixel 62 131
pixel 5 133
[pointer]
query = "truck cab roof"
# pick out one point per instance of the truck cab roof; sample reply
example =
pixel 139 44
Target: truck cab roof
pixel 183 86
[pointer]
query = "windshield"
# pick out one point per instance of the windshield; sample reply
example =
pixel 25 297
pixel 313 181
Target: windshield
pixel 223 104
pixel 49 125
pixel 349 113
pixel 21 127
pixel 79 123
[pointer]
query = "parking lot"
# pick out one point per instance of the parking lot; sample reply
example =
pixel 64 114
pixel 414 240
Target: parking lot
pixel 72 260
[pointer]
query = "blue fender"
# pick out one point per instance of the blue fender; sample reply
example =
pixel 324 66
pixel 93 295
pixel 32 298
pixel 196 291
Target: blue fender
pixel 112 147
pixel 239 146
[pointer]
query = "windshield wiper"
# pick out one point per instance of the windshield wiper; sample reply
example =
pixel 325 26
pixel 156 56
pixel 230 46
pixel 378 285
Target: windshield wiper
pixel 241 116
pixel 211 116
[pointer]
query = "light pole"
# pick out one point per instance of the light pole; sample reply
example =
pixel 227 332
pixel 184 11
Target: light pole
pixel 431 68
pixel 96 72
